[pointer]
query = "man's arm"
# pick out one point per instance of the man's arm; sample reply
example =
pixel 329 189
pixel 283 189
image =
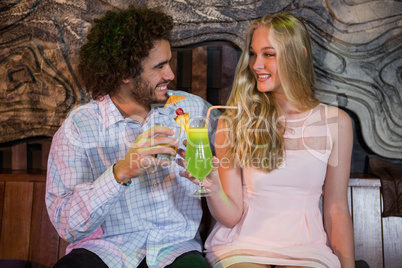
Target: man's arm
pixel 76 201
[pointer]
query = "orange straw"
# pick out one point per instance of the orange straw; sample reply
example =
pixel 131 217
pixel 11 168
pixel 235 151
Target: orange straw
pixel 217 107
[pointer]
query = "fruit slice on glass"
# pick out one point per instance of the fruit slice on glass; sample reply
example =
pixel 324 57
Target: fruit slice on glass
pixel 182 119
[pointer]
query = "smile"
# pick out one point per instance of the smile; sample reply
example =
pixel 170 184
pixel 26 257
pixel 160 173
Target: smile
pixel 161 87
pixel 263 76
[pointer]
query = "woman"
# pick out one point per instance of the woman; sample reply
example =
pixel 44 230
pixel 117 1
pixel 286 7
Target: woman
pixel 278 153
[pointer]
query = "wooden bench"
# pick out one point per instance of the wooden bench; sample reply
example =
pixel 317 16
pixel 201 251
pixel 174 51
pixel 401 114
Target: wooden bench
pixel 378 240
pixel 26 231
pixel 27 234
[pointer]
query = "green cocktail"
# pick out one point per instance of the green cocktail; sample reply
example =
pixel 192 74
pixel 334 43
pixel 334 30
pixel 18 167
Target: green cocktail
pixel 198 157
pixel 198 154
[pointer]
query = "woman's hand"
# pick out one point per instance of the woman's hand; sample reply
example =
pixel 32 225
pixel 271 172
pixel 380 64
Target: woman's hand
pixel 211 181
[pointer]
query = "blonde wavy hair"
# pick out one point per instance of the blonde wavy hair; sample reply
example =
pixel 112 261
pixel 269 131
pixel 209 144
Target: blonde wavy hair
pixel 256 129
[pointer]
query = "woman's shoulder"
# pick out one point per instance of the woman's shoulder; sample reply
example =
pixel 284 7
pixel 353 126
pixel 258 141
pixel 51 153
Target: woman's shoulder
pixel 339 122
pixel 337 115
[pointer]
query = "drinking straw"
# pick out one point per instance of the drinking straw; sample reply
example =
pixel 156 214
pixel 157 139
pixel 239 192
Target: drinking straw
pixel 217 107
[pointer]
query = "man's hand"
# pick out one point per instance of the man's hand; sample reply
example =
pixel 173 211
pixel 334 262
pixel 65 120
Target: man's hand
pixel 141 154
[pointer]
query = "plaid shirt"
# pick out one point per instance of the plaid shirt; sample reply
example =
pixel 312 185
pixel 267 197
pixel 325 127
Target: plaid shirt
pixel 153 217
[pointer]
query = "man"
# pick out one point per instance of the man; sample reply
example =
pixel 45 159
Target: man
pixel 107 194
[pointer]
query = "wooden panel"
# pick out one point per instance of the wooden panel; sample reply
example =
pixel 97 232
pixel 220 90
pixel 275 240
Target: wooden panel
pixel 45 152
pixel 62 247
pixel 44 241
pixel 229 63
pixel 199 72
pixel 2 185
pixel 367 225
pixel 14 242
pixel 365 182
pixel 392 236
pixel 19 156
pixel 25 177
pixel 350 201
pixel 6 158
pixel 17 176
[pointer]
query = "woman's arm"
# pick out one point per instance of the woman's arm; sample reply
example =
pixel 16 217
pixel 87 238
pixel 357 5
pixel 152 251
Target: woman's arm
pixel 337 220
pixel 226 204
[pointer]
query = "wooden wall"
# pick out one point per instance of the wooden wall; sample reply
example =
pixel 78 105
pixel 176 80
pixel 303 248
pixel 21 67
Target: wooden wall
pixel 356 46
pixel 206 71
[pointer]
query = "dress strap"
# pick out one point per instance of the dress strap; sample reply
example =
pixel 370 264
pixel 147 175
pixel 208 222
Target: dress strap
pixel 327 126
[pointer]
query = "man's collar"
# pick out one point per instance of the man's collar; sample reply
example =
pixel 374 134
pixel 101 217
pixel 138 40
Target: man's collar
pixel 109 112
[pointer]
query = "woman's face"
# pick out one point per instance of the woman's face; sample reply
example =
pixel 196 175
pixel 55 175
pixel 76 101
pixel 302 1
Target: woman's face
pixel 263 62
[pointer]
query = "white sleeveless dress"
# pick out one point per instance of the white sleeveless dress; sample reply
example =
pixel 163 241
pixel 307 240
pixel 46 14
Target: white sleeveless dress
pixel 282 223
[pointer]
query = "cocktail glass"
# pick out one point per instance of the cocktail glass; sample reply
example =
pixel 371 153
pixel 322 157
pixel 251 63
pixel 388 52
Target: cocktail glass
pixel 198 154
pixel 177 135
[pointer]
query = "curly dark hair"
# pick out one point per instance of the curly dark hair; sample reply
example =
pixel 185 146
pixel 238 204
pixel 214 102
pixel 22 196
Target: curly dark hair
pixel 116 45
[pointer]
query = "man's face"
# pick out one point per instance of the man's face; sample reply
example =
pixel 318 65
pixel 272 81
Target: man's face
pixel 155 77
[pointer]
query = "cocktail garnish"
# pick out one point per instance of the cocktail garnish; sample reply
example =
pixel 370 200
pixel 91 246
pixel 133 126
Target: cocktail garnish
pixel 179 111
